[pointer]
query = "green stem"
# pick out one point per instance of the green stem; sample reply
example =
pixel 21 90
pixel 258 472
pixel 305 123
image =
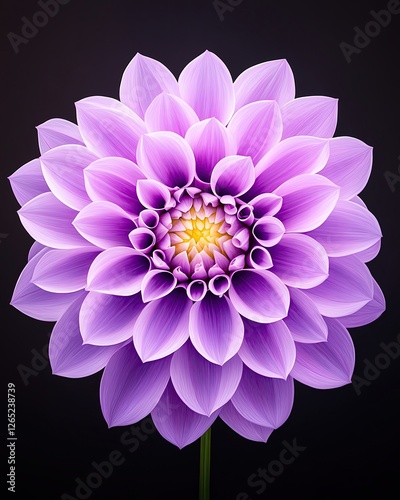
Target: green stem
pixel 205 455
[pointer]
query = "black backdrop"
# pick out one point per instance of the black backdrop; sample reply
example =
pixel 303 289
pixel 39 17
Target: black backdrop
pixel 350 442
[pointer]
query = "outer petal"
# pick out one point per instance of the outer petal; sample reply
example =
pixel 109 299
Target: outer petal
pixel 56 132
pixel 143 79
pixel 49 222
pixel 108 127
pixel 62 271
pixel 348 287
pixel 130 389
pixel 104 224
pixel 162 326
pixel 308 200
pixel 268 349
pixel 370 253
pixel 168 112
pixel 206 84
pixel 259 295
pixel 272 80
pixel 292 157
pixel 177 423
pixel 108 319
pixel 350 228
pixel 63 169
pixel 114 179
pixel 68 356
pixel 28 182
pixel 167 158
pixel 233 175
pixel 118 271
pixel 300 261
pixel 35 302
pixel 349 165
pixel 216 328
pixel 326 364
pixel 368 313
pixel 304 320
pixel 210 142
pixel 311 115
pixel 204 387
pixel 257 127
pixel 244 427
pixel 264 401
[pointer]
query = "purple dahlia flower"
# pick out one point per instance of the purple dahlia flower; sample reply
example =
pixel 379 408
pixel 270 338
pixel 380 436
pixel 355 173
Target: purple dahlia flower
pixel 203 241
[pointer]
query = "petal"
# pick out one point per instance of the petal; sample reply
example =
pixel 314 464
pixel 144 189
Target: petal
pixel 350 228
pixel 311 115
pixel 300 261
pixel 210 141
pixel 268 349
pixel 69 357
pixel 168 112
pixel 35 249
pixel 329 364
pixel 259 295
pixel 118 271
pixel 130 389
pixel 153 194
pixel 28 182
pixel 268 231
pixel 233 175
pixel 177 423
pixel 104 224
pixel 49 222
pixel 143 79
pixel 370 253
pixel 256 127
pixel 308 200
pixel 243 427
pixel 368 313
pixel 108 319
pixel 206 84
pixel 64 271
pixel 167 158
pixel 35 302
pixel 56 132
pixel 203 386
pixel 142 239
pixel 266 204
pixel 108 127
pixel 63 169
pixel 262 400
pixel 156 284
pixel 304 320
pixel 348 287
pixel 114 179
pixel 162 326
pixel 290 158
pixel 216 329
pixel 349 165
pixel 272 80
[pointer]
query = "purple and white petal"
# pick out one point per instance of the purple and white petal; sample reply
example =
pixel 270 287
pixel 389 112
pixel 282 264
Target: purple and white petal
pixel 259 295
pixel 156 284
pixel 329 364
pixel 216 328
pixel 57 132
pixel 176 422
pixel 233 175
pixel 130 389
pixel 311 115
pixel 203 386
pixel 268 349
pixel 272 80
pixel 28 182
pixel 69 357
pixel 262 400
pixel 243 427
pixel 153 194
pixel 206 85
pixel 108 319
pixel 163 326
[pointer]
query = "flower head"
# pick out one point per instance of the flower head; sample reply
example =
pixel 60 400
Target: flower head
pixel 203 241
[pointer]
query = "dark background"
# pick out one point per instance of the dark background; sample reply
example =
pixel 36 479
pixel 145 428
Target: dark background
pixel 352 441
